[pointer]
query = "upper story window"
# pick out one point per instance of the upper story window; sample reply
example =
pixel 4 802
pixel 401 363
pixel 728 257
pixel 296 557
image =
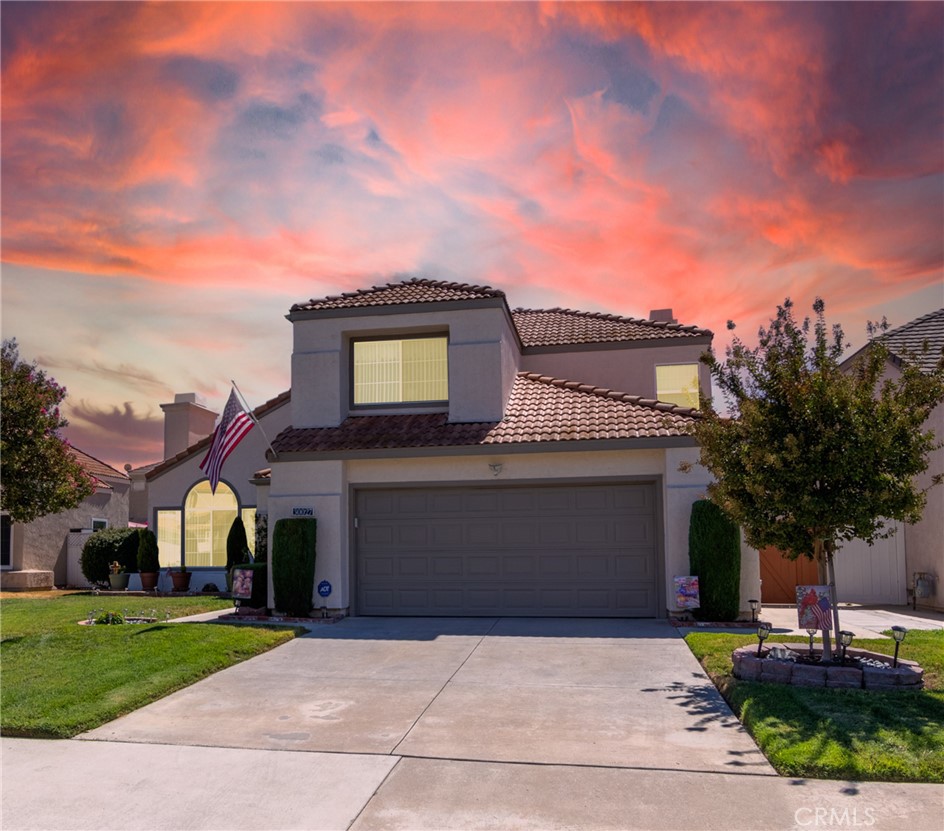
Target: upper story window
pixel 677 384
pixel 401 370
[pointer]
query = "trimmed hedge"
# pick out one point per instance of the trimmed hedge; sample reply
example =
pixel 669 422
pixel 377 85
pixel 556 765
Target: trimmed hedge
pixel 103 547
pixel 714 552
pixel 148 552
pixel 293 564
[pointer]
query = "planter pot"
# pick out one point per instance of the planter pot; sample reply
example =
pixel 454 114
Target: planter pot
pixel 149 580
pixel 181 580
pixel 119 582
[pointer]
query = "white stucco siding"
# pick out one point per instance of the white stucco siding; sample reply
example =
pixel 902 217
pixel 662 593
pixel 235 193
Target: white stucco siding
pixel 629 370
pixel 42 544
pixel 482 361
pixel 924 541
pixel 321 486
pixel 328 486
pixel 169 488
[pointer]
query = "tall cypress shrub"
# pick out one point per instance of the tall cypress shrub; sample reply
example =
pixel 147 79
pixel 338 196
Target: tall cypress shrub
pixel 714 552
pixel 237 545
pixel 293 564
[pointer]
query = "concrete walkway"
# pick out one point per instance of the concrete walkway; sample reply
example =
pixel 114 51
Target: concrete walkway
pixel 442 724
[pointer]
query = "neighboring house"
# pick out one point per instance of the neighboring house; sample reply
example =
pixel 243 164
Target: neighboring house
pixel 38 555
pixel 890 570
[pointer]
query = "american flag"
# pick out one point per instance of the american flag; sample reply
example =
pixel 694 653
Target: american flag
pixel 231 430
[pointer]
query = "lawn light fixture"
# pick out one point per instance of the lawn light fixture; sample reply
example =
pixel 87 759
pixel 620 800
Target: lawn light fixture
pixel 845 638
pixel 898 633
pixel 763 632
pixel 812 634
pixel 755 605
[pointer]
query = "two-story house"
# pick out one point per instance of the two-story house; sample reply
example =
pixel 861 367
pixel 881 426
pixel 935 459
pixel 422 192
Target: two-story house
pixel 465 458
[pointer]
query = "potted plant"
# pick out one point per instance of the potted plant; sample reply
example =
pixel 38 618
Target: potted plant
pixel 149 565
pixel 181 578
pixel 117 577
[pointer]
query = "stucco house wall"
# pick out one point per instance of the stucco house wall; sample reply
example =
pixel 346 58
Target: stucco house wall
pixel 42 544
pixel 628 368
pixel 327 487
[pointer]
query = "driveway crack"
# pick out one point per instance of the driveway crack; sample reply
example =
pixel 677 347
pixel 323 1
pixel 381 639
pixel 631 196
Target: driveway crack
pixel 446 683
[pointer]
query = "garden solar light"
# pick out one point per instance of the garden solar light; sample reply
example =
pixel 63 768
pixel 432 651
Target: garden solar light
pixel 763 631
pixel 754 604
pixel 812 634
pixel 845 638
pixel 898 633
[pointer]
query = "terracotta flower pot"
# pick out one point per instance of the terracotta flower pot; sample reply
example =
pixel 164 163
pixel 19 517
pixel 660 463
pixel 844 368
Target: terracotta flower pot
pixel 181 580
pixel 149 580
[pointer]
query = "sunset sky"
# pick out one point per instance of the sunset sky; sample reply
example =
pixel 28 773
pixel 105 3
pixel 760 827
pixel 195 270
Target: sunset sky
pixel 176 175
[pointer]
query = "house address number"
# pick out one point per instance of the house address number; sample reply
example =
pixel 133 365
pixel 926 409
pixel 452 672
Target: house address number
pixel 303 511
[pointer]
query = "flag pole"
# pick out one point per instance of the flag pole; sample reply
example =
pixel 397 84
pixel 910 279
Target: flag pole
pixel 251 415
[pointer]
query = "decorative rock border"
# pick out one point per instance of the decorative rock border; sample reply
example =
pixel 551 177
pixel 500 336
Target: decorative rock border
pixel 908 675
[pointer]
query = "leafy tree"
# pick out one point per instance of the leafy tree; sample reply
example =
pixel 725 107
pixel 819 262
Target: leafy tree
pixel 814 454
pixel 39 475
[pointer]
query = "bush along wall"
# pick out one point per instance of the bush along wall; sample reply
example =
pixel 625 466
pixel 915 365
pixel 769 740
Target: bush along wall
pixel 293 565
pixel 714 552
pixel 148 551
pixel 103 547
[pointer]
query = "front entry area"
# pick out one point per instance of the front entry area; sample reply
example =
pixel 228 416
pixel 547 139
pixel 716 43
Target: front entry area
pixel 576 550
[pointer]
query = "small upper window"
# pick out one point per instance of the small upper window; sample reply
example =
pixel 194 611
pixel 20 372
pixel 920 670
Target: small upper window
pixel 401 371
pixel 678 384
pixel 99 524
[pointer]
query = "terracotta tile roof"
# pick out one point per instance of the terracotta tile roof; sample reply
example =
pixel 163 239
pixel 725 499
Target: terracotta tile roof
pixel 204 443
pixel 558 327
pixel 96 468
pixel 540 409
pixel 908 340
pixel 415 290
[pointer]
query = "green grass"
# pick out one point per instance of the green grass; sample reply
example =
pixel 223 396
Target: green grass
pixel 840 734
pixel 60 679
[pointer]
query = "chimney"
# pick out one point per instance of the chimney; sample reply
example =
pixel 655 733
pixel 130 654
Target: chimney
pixel 662 315
pixel 186 421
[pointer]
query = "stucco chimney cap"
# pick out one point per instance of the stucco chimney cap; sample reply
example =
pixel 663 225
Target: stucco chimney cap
pixel 663 315
pixel 189 398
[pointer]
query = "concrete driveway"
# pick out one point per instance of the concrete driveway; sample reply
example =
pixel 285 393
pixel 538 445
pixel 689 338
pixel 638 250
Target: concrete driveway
pixel 575 692
pixel 442 724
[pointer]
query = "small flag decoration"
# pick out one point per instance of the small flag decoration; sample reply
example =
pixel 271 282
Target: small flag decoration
pixel 231 430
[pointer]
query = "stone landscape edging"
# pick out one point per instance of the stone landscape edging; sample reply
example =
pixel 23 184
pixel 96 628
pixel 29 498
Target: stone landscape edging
pixel 908 675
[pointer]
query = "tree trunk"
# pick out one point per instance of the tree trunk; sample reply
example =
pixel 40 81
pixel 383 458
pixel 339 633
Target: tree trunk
pixel 828 547
pixel 823 569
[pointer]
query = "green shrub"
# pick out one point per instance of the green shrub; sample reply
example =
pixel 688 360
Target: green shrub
pixel 103 547
pixel 714 551
pixel 262 538
pixel 293 564
pixel 148 552
pixel 237 546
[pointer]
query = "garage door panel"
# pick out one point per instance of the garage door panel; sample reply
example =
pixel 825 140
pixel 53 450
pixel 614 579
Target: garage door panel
pixel 480 566
pixel 412 535
pixel 412 566
pixel 633 567
pixel 446 566
pixel 559 550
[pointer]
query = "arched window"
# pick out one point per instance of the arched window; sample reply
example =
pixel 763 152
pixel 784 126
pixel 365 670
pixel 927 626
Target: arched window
pixel 204 523
pixel 207 520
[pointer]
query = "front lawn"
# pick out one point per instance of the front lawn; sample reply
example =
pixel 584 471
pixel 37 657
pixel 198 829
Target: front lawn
pixel 840 734
pixel 60 679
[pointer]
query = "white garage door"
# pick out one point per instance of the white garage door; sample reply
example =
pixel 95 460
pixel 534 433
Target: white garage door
pixel 570 550
pixel 873 574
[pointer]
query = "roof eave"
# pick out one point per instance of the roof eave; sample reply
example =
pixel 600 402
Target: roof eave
pixel 565 446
